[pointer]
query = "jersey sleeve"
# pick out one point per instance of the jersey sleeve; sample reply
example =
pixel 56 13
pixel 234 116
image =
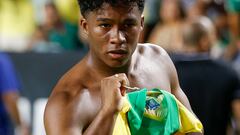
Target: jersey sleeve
pixel 8 78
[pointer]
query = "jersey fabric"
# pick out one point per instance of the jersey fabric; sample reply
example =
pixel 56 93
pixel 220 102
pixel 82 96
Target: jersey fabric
pixel 154 112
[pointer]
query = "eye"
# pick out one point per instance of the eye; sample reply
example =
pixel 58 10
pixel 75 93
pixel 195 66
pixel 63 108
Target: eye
pixel 127 25
pixel 105 25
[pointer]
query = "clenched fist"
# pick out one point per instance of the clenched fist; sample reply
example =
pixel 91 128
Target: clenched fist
pixel 112 92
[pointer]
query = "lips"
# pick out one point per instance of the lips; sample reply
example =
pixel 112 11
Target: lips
pixel 117 54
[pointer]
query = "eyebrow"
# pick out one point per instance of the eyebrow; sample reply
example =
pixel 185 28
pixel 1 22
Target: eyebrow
pixel 103 19
pixel 131 20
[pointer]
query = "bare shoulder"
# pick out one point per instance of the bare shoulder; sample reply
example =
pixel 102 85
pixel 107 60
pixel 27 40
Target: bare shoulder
pixel 159 56
pixel 61 114
pixel 152 50
pixel 55 115
pixel 56 105
pixel 156 49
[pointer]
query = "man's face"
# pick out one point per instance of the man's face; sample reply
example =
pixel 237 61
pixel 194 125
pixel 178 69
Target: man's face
pixel 113 33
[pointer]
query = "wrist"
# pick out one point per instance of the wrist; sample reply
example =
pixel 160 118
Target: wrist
pixel 109 111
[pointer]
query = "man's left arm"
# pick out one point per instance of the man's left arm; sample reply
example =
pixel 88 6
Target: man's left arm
pixel 175 86
pixel 177 91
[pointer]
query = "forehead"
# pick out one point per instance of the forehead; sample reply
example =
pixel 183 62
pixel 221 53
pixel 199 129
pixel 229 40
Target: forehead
pixel 122 11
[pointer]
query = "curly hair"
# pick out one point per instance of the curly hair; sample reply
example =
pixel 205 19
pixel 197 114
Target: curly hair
pixel 91 5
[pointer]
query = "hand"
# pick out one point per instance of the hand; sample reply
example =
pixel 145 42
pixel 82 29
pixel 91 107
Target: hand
pixel 112 92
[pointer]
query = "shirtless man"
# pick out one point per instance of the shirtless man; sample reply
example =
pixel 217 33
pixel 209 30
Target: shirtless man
pixel 88 97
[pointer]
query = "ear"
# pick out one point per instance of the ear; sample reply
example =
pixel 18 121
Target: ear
pixel 84 25
pixel 142 22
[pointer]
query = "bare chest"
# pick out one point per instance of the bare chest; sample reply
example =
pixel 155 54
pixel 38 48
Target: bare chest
pixel 145 74
pixel 87 106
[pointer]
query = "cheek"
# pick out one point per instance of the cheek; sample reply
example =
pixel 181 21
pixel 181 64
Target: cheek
pixel 100 34
pixel 98 31
pixel 133 35
pixel 98 40
pixel 97 36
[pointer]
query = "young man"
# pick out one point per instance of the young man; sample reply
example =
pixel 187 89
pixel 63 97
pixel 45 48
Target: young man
pixel 88 97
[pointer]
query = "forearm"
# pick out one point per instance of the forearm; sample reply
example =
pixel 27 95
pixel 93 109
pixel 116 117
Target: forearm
pixel 103 124
pixel 10 101
pixel 180 95
pixel 14 113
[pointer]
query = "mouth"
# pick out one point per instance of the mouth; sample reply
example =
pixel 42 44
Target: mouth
pixel 117 54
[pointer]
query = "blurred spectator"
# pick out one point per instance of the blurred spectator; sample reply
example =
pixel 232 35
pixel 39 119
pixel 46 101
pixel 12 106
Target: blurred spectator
pixel 209 84
pixel 218 15
pixel 66 9
pixel 39 14
pixel 17 24
pixel 167 32
pixel 58 31
pixel 233 8
pixel 232 51
pixel 195 8
pixel 188 4
pixel 235 121
pixel 151 17
pixel 9 87
pixel 39 42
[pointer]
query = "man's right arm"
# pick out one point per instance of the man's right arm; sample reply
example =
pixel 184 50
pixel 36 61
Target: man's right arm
pixel 60 119
pixel 111 97
pixel 103 124
pixel 58 116
pixel 61 116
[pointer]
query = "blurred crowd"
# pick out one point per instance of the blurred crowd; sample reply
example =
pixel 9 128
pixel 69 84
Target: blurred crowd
pixel 39 26
pixel 52 26
pixel 164 20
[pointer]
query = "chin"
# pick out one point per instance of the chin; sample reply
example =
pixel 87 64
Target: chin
pixel 117 64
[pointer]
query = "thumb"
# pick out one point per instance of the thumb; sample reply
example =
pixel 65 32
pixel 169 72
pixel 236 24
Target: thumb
pixel 123 90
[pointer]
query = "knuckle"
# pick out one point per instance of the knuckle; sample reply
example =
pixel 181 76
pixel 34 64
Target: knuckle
pixel 122 74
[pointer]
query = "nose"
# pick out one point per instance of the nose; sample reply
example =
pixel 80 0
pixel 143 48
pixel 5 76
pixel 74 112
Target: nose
pixel 117 36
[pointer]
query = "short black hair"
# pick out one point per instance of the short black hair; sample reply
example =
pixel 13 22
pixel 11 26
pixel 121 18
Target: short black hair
pixel 91 5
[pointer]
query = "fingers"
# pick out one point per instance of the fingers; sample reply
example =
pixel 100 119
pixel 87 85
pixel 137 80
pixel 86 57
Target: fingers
pixel 112 91
pixel 117 81
pixel 122 78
